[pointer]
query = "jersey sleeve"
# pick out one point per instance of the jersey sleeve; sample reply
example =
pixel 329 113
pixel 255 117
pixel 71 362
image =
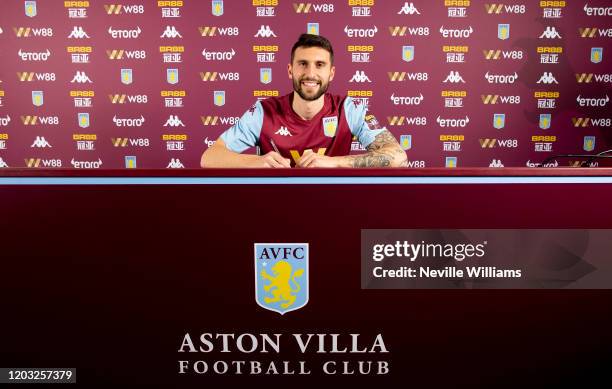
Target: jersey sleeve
pixel 363 125
pixel 245 133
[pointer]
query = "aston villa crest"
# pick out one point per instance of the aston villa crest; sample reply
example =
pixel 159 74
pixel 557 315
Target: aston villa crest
pixel 219 97
pixel 126 76
pixel 330 125
pixel 281 276
pixel 217 7
pixel 499 120
pixel 408 53
pixel 30 8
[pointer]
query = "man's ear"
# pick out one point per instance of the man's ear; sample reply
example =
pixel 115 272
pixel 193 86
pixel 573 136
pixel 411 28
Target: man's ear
pixel 332 72
pixel 290 71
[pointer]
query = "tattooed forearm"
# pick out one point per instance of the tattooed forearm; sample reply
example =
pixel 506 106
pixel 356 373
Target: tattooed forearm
pixel 384 151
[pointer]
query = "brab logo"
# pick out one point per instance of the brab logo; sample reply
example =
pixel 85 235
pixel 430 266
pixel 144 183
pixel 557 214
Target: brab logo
pixel 281 276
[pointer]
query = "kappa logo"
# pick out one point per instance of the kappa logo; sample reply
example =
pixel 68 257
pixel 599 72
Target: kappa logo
pixel 81 78
pixel 360 76
pixel 174 121
pixel 78 33
pixel 408 9
pixel 40 142
pixel 454 77
pixel 496 163
pixel 550 33
pixel 281 276
pixel 175 163
pixel 265 32
pixel 283 131
pixel 171 32
pixel 2 163
pixel 547 78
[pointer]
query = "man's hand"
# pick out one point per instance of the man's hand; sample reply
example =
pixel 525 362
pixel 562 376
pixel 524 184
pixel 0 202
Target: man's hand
pixel 274 159
pixel 311 159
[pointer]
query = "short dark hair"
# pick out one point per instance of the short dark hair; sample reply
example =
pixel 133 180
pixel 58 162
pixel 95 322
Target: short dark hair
pixel 310 40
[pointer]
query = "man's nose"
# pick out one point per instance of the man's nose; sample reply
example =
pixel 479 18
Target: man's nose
pixel 310 71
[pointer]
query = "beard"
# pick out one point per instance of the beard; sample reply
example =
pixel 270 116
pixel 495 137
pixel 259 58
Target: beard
pixel 297 87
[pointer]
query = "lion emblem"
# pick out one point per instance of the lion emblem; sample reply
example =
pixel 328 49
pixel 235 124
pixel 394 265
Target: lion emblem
pixel 280 286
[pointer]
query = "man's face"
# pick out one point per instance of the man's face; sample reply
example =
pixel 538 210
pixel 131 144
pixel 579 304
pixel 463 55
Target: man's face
pixel 311 72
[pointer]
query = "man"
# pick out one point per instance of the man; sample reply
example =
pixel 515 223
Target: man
pixel 309 127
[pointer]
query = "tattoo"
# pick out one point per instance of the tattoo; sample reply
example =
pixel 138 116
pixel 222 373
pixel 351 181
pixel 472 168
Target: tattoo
pixel 381 152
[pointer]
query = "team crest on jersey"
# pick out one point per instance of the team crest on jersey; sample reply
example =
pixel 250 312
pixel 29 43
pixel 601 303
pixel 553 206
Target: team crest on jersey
pixel 589 143
pixel 406 142
pixel 37 98
pixel 408 53
pixel 30 8
pixel 126 76
pixel 499 120
pixel 281 276
pixel 451 162
pixel 545 119
pixel 217 7
pixel 219 96
pixel 172 76
pixel 330 125
pixel 265 75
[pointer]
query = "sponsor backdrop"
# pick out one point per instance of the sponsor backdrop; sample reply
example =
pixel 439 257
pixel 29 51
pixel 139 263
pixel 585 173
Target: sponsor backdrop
pixel 152 84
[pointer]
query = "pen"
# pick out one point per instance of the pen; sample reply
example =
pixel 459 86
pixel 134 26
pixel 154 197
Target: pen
pixel 274 145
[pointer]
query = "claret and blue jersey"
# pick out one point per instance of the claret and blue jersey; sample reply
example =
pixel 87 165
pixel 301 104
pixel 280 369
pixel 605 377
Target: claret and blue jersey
pixel 330 132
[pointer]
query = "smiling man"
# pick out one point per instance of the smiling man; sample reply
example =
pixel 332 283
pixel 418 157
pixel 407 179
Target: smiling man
pixel 308 127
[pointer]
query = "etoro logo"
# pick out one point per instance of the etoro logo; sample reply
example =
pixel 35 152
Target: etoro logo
pixel 124 34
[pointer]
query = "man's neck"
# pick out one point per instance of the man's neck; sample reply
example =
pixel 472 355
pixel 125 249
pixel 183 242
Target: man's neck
pixel 307 109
